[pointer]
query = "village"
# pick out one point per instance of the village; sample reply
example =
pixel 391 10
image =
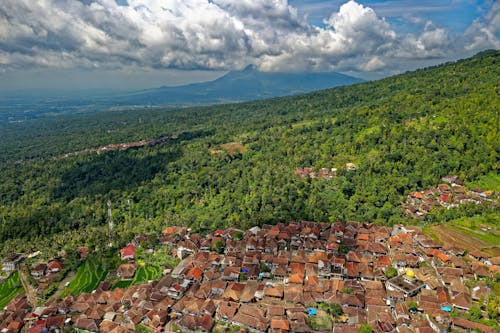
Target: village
pixel 296 277
pixel 450 194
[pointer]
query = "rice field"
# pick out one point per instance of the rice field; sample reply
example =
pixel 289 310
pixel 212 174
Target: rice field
pixel 88 276
pixel 9 289
pixel 147 273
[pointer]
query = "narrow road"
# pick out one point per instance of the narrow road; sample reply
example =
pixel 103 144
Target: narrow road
pixel 30 291
pixel 62 286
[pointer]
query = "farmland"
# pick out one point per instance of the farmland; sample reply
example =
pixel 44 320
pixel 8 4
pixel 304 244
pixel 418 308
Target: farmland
pixel 147 273
pixel 88 277
pixel 144 273
pixel 481 233
pixel 9 289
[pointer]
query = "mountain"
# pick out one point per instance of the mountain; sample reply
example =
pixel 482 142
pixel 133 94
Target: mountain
pixel 241 164
pixel 244 85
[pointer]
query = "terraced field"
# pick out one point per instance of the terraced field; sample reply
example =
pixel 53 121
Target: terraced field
pixel 88 277
pixel 469 233
pixel 9 289
pixel 147 273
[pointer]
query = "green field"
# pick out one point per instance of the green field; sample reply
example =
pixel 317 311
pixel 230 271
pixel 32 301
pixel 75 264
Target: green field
pixel 474 226
pixel 9 289
pixel 490 181
pixel 88 276
pixel 143 274
pixel 124 284
pixel 147 273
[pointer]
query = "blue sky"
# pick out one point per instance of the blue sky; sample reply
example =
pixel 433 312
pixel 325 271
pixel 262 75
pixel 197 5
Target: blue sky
pixel 456 16
pixel 135 44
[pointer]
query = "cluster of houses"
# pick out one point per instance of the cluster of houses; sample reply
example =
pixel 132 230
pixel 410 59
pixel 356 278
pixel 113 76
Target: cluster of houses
pixel 122 146
pixel 450 194
pixel 271 278
pixel 323 173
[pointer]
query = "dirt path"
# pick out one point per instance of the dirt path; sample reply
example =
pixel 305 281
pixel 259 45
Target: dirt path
pixel 62 285
pixel 30 291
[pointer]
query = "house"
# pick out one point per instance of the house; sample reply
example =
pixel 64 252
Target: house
pixel 54 267
pixel 126 271
pixel 39 270
pixel 407 284
pixel 11 262
pixel 470 326
pixel 128 252
pixel 87 324
pixel 226 311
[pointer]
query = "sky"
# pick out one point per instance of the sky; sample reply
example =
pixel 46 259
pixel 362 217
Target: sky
pixel 136 44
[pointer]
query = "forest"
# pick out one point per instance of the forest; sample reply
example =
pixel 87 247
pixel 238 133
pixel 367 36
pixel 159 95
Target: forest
pixel 403 133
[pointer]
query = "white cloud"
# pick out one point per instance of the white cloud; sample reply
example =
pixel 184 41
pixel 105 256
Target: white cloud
pixel 218 34
pixel 485 32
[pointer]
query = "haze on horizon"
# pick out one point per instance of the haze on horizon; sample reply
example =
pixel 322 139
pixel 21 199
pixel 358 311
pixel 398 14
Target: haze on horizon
pixel 137 44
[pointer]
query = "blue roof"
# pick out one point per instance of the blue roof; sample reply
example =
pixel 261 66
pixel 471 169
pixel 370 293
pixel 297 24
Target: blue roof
pixel 446 308
pixel 311 311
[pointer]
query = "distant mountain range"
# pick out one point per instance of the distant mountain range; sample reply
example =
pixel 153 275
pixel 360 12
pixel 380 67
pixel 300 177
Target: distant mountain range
pixel 244 85
pixel 236 86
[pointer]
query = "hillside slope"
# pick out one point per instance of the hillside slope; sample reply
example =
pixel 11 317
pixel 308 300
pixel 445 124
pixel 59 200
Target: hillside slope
pixel 404 133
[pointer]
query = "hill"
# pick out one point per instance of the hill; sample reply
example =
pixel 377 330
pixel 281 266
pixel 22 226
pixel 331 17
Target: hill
pixel 236 164
pixel 236 86
pixel 245 85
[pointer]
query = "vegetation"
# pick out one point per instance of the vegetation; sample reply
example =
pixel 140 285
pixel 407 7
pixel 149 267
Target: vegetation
pixel 88 276
pixel 9 289
pixel 147 273
pixel 365 328
pixel 391 272
pixel 404 133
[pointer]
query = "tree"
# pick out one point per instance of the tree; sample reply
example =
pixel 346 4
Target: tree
pixel 475 313
pixel 238 235
pixel 412 306
pixel 365 328
pixel 218 246
pixel 391 272
pixel 335 310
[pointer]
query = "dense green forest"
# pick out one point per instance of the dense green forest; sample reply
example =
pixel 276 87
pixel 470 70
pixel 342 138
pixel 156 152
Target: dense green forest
pixel 404 132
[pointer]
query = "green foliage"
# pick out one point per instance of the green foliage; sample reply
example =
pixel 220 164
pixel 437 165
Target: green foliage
pixel 474 313
pixel 147 273
pixel 391 272
pixel 333 309
pixel 218 246
pixel 365 328
pixel 238 235
pixel 412 305
pixel 404 132
pixel 9 289
pixel 347 291
pixel 492 307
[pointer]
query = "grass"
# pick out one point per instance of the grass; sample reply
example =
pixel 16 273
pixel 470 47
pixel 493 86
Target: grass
pixel 473 226
pixel 9 289
pixel 490 181
pixel 124 284
pixel 143 274
pixel 147 273
pixel 88 276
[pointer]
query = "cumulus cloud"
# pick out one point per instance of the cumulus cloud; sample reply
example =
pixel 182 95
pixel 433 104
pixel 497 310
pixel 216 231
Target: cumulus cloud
pixel 485 32
pixel 217 34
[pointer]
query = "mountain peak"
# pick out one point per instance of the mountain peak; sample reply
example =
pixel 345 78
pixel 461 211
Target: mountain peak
pixel 250 68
